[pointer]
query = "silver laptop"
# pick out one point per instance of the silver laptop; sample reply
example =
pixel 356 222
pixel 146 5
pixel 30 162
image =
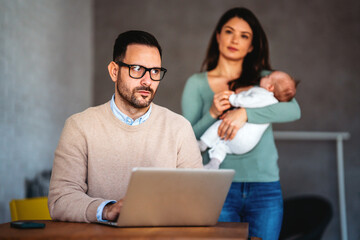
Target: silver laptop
pixel 174 197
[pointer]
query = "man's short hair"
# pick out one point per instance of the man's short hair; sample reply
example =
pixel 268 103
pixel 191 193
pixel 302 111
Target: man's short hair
pixel 133 37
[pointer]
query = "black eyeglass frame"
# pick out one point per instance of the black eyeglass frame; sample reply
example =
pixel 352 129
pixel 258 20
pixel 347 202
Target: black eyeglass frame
pixel 120 63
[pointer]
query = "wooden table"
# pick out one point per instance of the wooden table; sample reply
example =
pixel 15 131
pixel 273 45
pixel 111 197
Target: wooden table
pixel 69 230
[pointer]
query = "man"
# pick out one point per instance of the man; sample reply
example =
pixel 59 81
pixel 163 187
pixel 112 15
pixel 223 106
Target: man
pixel 99 147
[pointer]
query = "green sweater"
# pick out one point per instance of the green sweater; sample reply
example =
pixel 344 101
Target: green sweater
pixel 258 165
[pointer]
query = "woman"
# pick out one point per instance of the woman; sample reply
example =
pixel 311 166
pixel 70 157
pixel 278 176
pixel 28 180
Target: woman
pixel 236 57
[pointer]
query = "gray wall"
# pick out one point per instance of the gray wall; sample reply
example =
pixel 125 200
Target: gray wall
pixel 46 59
pixel 316 41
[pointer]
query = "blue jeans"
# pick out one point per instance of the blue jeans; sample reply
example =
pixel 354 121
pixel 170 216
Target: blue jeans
pixel 258 203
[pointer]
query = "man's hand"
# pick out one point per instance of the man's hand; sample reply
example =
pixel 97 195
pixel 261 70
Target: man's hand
pixel 112 210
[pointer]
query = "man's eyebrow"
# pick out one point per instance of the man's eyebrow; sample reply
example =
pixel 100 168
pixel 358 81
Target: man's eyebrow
pixel 135 64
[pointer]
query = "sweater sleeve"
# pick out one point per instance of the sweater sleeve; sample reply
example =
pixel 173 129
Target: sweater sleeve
pixel 188 151
pixel 275 113
pixel 68 200
pixel 192 105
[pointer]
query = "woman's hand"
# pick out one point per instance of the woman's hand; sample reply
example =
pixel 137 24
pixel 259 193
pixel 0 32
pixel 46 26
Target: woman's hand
pixel 220 103
pixel 232 121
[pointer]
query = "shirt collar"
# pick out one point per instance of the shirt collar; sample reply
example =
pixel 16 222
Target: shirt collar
pixel 126 119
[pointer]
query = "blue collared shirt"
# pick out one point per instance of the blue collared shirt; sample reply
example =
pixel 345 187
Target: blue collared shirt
pixel 129 121
pixel 126 119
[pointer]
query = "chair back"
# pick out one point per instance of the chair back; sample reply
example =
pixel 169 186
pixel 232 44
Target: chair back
pixel 305 217
pixel 29 209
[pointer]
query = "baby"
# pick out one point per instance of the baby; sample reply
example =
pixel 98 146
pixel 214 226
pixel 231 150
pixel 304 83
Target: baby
pixel 275 87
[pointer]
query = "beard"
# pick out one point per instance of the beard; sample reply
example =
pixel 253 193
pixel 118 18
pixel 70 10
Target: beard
pixel 130 95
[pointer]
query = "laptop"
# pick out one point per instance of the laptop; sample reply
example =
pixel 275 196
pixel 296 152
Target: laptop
pixel 174 197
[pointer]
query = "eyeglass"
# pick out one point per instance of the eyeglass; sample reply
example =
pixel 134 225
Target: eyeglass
pixel 138 71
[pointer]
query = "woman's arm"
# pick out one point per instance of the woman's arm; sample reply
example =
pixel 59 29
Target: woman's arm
pixel 275 113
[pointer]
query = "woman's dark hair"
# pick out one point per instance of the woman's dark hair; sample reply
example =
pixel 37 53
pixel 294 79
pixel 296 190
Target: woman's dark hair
pixel 254 62
pixel 133 37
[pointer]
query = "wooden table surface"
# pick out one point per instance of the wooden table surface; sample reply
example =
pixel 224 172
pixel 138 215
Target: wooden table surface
pixel 68 230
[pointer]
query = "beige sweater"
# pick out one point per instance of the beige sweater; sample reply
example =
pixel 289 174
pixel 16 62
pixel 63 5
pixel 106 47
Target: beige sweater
pixel 96 153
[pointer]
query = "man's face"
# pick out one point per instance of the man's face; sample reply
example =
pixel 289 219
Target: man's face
pixel 138 93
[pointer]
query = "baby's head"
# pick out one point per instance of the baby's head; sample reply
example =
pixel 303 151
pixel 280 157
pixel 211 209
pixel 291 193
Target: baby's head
pixel 281 84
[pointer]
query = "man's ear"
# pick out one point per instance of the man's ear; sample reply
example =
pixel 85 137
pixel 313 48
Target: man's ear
pixel 113 71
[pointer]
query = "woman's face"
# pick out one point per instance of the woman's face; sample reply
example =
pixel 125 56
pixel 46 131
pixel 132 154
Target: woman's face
pixel 235 39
